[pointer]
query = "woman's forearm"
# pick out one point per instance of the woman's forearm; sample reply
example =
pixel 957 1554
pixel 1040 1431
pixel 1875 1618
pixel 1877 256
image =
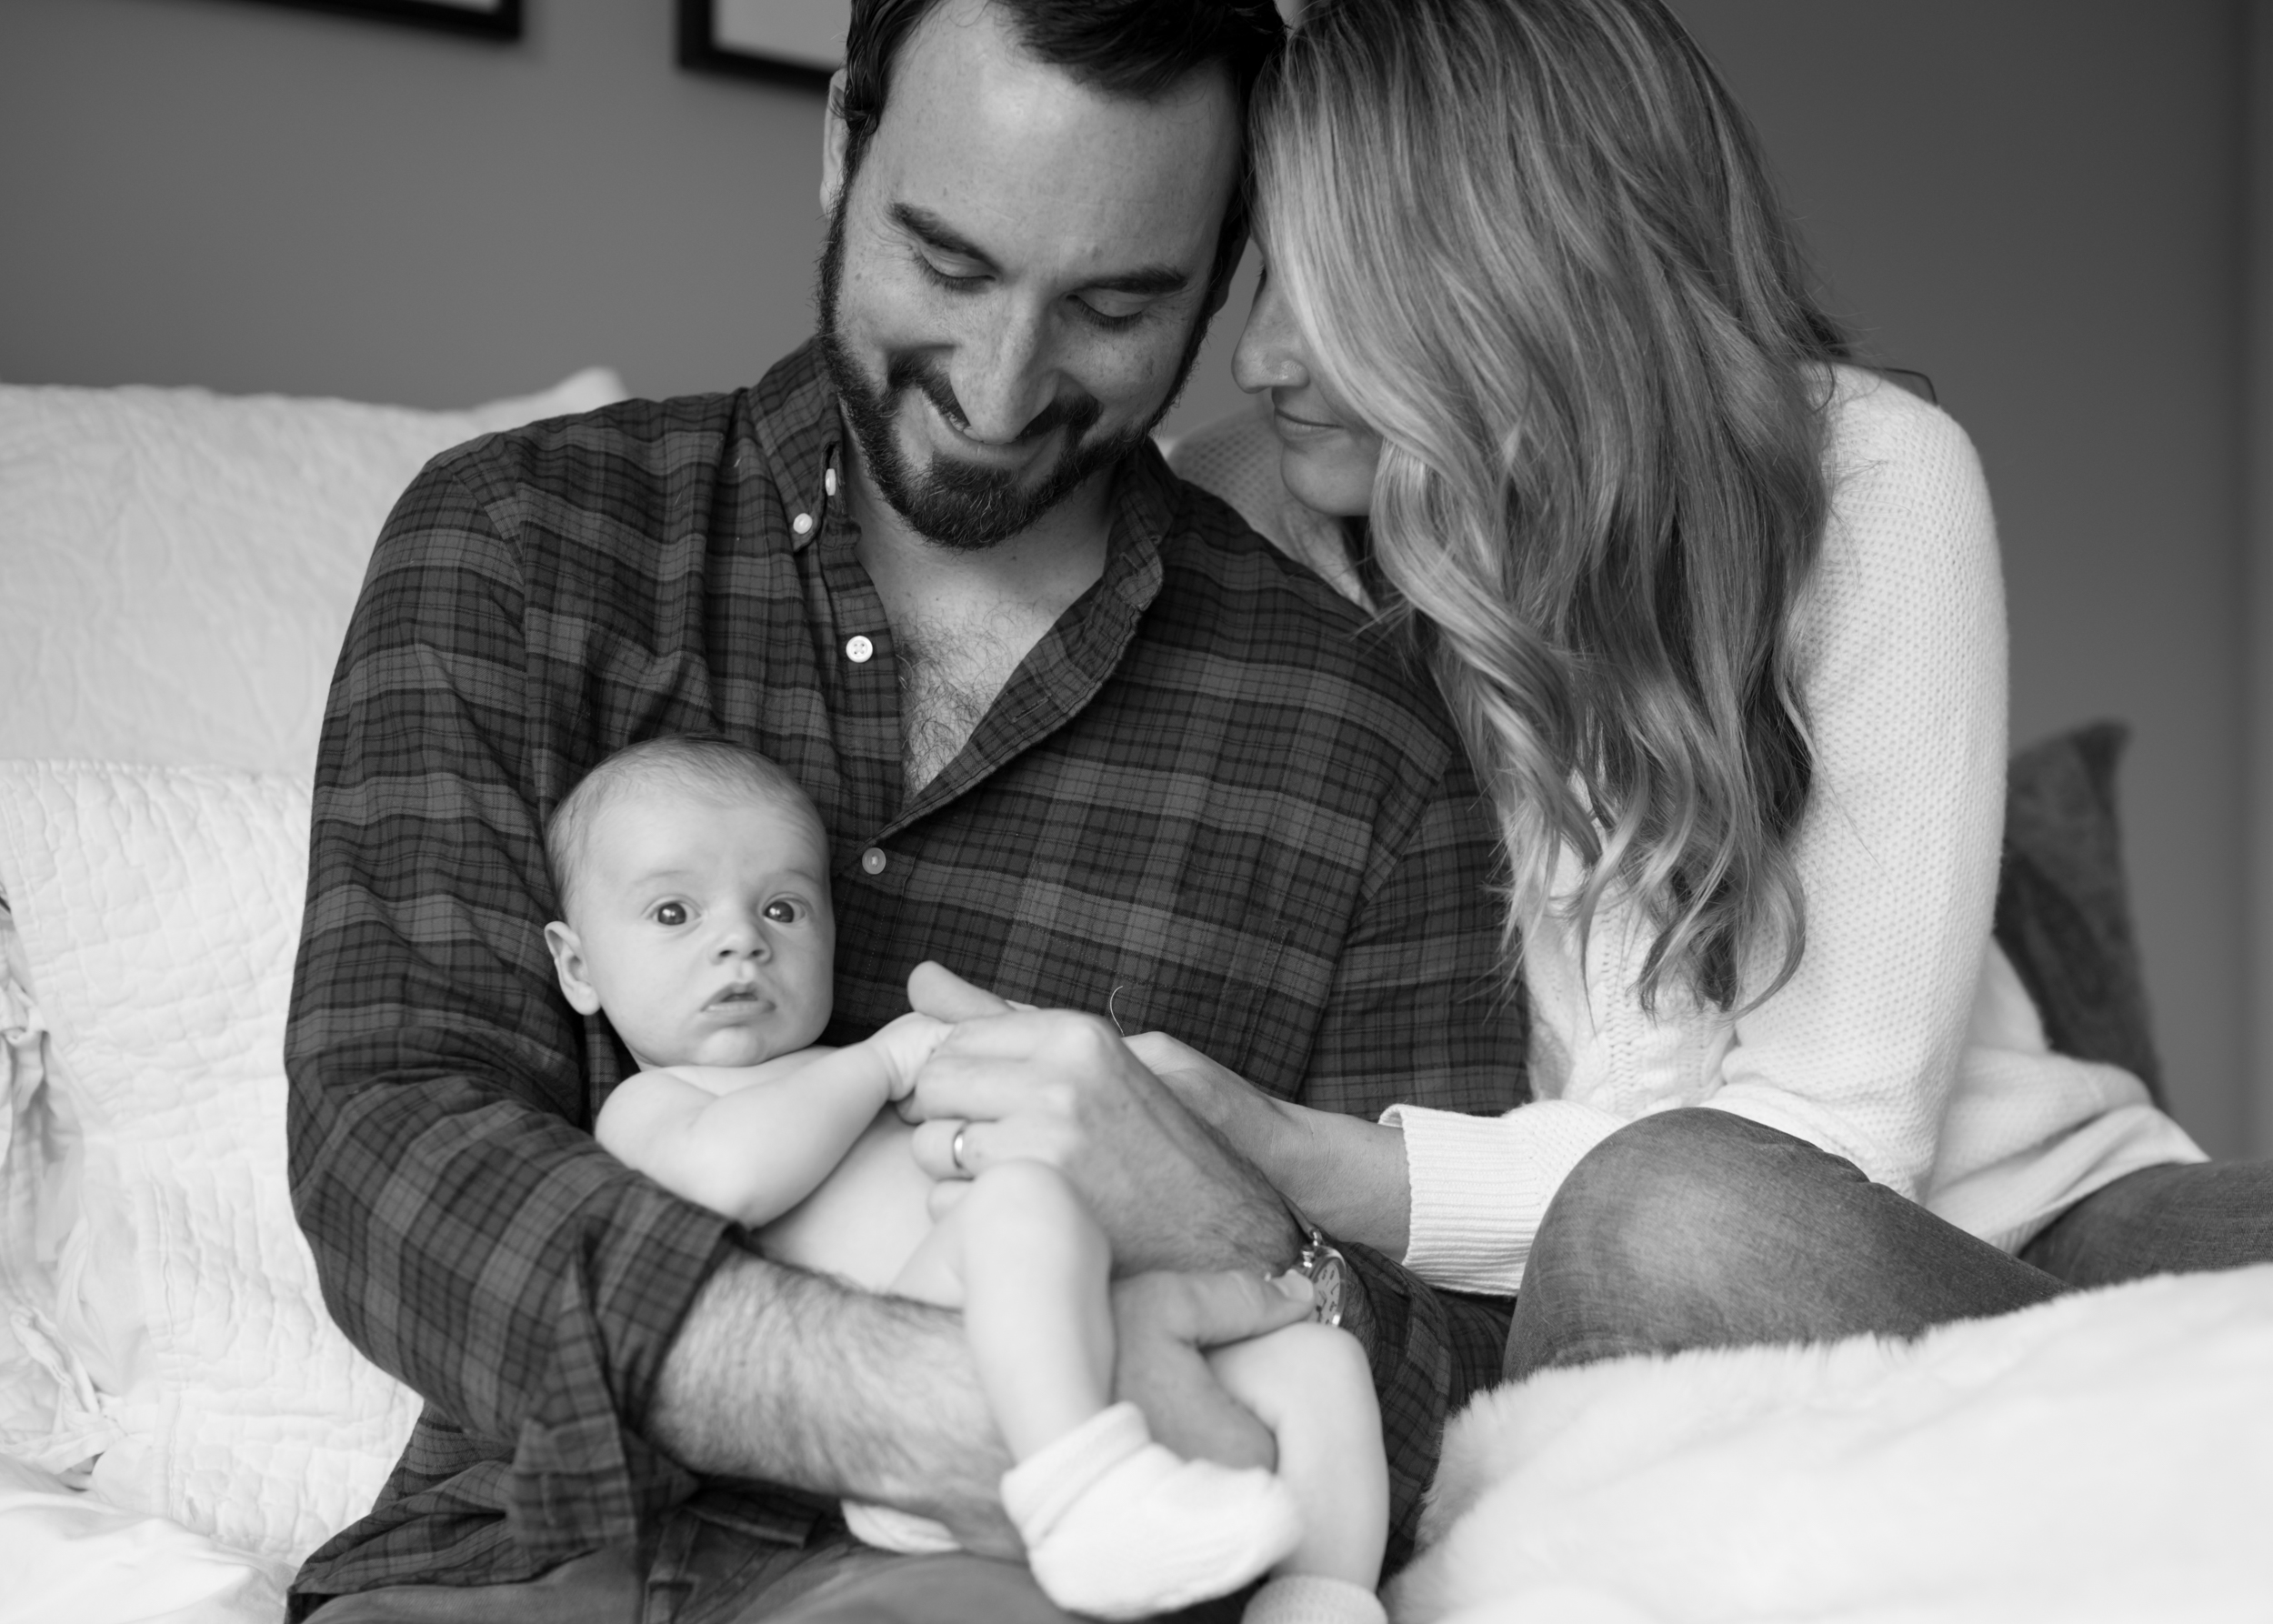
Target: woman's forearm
pixel 1348 1175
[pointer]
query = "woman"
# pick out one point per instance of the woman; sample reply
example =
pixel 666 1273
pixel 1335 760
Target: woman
pixel 1720 619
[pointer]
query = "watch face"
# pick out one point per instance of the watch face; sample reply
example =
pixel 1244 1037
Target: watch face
pixel 1325 1279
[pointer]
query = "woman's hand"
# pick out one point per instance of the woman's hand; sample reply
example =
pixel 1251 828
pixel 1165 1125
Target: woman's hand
pixel 1347 1175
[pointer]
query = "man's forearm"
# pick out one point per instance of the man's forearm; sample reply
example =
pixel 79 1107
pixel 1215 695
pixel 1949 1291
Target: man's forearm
pixel 789 1378
pixel 1250 1224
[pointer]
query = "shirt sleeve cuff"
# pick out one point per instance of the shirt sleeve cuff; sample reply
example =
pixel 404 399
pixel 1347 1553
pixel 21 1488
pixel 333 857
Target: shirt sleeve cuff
pixel 584 1473
pixel 1481 1184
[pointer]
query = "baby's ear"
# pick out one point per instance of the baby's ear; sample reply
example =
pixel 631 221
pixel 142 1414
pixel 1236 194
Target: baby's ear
pixel 568 964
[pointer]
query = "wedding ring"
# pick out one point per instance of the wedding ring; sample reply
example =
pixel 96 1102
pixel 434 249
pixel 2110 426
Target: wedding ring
pixel 954 1149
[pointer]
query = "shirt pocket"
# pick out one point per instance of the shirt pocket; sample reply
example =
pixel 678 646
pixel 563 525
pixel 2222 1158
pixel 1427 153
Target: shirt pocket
pixel 1205 983
pixel 1214 1007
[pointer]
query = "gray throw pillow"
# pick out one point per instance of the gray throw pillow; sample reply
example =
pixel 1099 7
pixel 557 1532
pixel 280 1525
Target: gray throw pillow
pixel 2063 912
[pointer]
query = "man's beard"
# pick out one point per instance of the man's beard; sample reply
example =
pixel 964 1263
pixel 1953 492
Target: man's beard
pixel 959 504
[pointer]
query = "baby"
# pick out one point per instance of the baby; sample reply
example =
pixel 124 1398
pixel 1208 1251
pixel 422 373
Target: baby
pixel 694 876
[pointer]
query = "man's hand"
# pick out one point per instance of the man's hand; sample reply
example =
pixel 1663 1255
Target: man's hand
pixel 1164 1323
pixel 1064 1090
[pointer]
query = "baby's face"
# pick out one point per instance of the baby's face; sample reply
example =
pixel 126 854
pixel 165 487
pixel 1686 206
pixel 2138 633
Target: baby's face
pixel 703 927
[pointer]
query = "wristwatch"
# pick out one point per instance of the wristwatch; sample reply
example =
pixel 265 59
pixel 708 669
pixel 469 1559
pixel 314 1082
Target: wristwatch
pixel 1322 1264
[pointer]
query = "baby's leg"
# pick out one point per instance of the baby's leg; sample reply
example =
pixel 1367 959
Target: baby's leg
pixel 1310 1386
pixel 1115 1525
pixel 1029 1267
pixel 1034 1314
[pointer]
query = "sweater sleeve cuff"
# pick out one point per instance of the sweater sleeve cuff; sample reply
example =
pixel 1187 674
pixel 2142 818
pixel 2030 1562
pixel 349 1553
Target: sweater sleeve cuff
pixel 1481 1184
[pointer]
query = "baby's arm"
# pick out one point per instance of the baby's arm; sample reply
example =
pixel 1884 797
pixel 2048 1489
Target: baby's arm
pixel 753 1142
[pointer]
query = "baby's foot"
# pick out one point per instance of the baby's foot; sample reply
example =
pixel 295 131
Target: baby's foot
pixel 1314 1598
pixel 1119 1528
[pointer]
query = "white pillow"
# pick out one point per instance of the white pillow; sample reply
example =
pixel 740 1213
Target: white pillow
pixel 159 909
pixel 177 567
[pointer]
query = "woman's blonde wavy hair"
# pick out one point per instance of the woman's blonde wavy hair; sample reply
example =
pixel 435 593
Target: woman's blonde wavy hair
pixel 1533 245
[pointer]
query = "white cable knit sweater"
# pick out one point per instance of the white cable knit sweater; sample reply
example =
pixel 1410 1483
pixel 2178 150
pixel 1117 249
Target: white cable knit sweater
pixel 1905 1042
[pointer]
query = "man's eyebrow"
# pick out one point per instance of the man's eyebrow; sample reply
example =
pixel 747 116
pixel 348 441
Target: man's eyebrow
pixel 939 234
pixel 1152 281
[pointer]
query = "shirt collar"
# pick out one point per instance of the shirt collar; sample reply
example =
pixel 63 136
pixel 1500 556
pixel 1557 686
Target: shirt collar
pixel 794 410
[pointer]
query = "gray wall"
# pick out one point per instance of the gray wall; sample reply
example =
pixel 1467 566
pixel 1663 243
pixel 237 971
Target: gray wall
pixel 251 197
pixel 2035 201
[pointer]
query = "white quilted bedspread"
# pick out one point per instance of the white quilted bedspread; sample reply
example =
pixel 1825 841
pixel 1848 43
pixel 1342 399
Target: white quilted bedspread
pixel 160 910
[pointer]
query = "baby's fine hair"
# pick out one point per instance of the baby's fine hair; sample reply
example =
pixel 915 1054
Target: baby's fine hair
pixel 698 764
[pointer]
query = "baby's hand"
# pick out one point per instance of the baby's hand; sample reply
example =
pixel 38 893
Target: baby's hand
pixel 905 1044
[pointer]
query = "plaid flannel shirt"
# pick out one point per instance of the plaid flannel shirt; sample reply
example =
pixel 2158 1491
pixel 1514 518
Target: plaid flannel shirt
pixel 1210 801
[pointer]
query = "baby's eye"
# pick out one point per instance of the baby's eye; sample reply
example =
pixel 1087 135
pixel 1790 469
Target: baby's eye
pixel 670 913
pixel 784 911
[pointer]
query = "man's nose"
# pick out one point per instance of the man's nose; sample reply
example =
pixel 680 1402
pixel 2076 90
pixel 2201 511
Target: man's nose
pixel 1004 379
pixel 1271 353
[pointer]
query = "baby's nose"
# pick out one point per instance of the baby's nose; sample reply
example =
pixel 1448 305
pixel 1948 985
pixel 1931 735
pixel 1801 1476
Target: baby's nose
pixel 742 939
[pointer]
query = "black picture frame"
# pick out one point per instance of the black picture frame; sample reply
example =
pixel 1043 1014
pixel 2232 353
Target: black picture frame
pixel 702 50
pixel 493 19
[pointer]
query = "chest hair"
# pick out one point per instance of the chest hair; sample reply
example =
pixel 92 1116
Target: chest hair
pixel 952 667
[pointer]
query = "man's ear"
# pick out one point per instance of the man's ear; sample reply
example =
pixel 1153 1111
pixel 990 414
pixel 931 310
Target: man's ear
pixel 835 139
pixel 568 964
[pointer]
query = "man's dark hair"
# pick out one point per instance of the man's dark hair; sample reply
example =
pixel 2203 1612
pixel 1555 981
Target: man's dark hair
pixel 1138 48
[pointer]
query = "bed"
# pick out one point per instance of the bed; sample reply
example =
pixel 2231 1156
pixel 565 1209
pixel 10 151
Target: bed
pixel 180 1422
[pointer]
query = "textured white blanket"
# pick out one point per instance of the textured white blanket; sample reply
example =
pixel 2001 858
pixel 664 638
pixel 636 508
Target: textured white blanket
pixel 2107 1455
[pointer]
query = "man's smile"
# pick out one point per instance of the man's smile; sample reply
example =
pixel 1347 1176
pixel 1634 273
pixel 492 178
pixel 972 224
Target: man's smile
pixel 999 453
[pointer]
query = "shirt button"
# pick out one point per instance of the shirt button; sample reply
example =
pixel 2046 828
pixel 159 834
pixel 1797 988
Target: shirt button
pixel 802 522
pixel 829 483
pixel 858 649
pixel 872 861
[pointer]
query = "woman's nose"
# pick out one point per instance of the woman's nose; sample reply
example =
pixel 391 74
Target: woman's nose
pixel 1271 353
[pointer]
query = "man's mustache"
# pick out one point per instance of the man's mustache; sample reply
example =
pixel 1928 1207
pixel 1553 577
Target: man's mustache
pixel 1075 415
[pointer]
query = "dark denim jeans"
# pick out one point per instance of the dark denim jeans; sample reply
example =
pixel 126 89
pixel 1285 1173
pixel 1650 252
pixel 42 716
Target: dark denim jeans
pixel 709 1572
pixel 1697 1229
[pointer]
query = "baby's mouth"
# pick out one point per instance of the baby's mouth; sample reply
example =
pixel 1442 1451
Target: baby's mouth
pixel 744 993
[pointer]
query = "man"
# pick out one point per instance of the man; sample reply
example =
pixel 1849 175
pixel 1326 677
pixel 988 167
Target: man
pixel 1075 732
